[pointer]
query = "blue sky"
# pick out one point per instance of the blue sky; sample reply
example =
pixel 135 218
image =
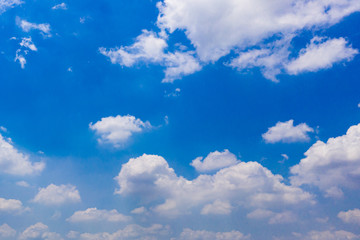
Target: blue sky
pixel 179 119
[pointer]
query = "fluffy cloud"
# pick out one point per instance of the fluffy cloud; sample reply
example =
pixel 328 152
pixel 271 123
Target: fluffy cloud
pixel 57 195
pixel 6 231
pixel 26 26
pixel 16 163
pixel 217 208
pixel 133 231
pixel 149 47
pixel 351 216
pixel 93 214
pixel 26 44
pixel 62 6
pixel 189 234
pixel 273 218
pixel 331 235
pixel 247 26
pixel 288 133
pixel 320 54
pixel 11 205
pixel 39 231
pixel 117 130
pixel 214 161
pixel 245 184
pixel 331 165
pixel 6 4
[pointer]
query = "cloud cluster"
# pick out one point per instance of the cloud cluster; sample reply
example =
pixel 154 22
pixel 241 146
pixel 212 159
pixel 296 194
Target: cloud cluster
pixel 151 48
pixel 189 234
pixel 246 184
pixel 11 205
pixel 39 231
pixel 332 165
pixel 351 216
pixel 94 214
pixel 288 133
pixel 26 26
pixel 7 4
pixel 214 161
pixel 57 195
pixel 16 163
pixel 116 131
pixel 259 32
pixel 6 231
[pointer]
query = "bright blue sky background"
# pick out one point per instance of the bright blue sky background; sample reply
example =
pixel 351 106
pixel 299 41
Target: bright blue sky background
pixel 47 108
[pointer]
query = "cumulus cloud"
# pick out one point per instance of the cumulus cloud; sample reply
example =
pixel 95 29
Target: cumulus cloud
pixel 26 44
pixel 351 216
pixel 189 234
pixel 245 184
pixel 331 166
pixel 62 6
pixel 7 4
pixel 133 231
pixel 57 195
pixel 321 53
pixel 150 48
pixel 11 205
pixel 93 214
pixel 331 235
pixel 13 162
pixel 39 231
pixel 260 33
pixel 214 161
pixel 288 133
pixel 217 208
pixel 26 26
pixel 273 217
pixel 6 231
pixel 117 130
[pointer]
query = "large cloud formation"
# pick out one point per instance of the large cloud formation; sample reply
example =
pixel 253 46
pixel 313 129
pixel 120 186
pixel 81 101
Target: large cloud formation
pixel 331 166
pixel 260 29
pixel 246 184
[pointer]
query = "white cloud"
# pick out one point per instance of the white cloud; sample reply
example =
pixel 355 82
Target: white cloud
pixel 133 231
pixel 25 44
pixel 7 4
pixel 117 130
pixel 93 214
pixel 214 161
pixel 16 163
pixel 321 53
pixel 39 231
pixel 11 205
pixel 62 6
pixel 150 48
pixel 351 216
pixel 189 234
pixel 139 210
pixel 73 235
pixel 288 133
pixel 6 231
pixel 26 26
pixel 331 235
pixel 273 217
pixel 23 184
pixel 57 195
pixel 245 184
pixel 247 26
pixel 332 165
pixel 217 208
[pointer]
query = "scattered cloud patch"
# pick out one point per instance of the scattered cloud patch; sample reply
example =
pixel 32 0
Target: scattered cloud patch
pixel 214 161
pixel 7 232
pixel 189 234
pixel 7 4
pixel 351 216
pixel 11 205
pixel 61 6
pixel 116 131
pixel 331 235
pixel 23 184
pixel 93 214
pixel 244 184
pixel 139 210
pixel 321 53
pixel 39 231
pixel 286 132
pixel 150 48
pixel 26 26
pixel 57 195
pixel 3 129
pixel 26 44
pixel 133 231
pixel 14 162
pixel 332 165
pixel 217 208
